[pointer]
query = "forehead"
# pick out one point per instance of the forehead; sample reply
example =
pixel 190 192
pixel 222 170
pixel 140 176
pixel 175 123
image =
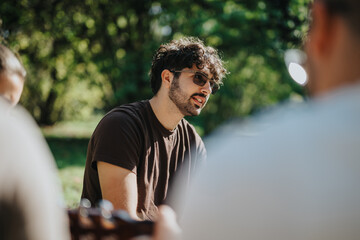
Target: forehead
pixel 13 65
pixel 11 79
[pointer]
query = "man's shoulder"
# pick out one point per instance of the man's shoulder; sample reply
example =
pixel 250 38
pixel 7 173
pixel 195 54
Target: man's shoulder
pixel 127 112
pixel 301 130
pixel 134 108
pixel 125 118
pixel 19 130
pixel 16 120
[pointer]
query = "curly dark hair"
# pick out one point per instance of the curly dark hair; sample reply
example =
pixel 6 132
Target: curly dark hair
pixel 348 9
pixel 184 53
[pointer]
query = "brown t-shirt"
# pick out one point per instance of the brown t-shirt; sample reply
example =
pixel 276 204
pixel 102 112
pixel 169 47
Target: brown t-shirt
pixel 130 136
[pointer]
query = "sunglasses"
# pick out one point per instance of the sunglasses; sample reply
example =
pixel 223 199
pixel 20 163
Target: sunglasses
pixel 201 79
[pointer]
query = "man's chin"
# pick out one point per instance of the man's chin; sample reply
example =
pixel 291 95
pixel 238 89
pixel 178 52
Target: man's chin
pixel 195 112
pixel 192 110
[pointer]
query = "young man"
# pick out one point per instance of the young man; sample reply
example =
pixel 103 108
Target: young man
pixel 12 76
pixel 137 148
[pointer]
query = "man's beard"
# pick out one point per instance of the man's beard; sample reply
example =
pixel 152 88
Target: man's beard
pixel 182 101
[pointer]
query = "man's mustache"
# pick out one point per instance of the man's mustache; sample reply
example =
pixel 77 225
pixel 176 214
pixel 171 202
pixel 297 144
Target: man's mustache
pixel 199 94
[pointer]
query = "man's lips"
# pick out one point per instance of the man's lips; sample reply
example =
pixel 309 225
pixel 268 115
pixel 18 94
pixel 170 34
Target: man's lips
pixel 199 99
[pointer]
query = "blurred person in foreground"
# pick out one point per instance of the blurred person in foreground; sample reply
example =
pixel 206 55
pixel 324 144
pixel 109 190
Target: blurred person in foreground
pixel 29 192
pixel 137 149
pixel 297 178
pixel 12 76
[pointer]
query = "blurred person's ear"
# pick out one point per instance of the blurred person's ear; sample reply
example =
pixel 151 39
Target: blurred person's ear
pixel 325 30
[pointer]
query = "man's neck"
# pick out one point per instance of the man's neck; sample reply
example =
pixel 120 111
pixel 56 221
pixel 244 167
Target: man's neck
pixel 166 111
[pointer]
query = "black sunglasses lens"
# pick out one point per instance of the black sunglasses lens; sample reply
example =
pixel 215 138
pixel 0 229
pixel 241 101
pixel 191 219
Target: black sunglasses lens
pixel 199 79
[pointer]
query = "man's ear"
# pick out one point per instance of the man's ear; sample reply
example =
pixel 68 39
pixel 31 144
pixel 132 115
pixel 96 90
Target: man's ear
pixel 323 31
pixel 166 78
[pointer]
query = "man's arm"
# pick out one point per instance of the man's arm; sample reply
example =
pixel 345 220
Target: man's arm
pixel 119 186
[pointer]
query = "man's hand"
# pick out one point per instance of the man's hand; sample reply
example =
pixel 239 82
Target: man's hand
pixel 166 227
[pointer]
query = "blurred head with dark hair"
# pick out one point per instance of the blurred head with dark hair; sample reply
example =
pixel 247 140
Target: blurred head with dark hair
pixel 12 76
pixel 333 45
pixel 349 10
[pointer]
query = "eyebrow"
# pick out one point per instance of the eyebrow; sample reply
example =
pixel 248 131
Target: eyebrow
pixel 205 75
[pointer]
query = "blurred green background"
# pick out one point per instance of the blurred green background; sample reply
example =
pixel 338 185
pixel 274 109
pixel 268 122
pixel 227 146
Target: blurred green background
pixel 85 57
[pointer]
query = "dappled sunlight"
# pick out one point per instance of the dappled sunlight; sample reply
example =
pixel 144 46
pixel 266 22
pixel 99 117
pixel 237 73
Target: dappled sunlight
pixel 298 73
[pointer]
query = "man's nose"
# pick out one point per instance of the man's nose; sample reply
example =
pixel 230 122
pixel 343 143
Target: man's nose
pixel 206 89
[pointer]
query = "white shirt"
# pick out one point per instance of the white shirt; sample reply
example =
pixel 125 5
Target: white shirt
pixel 294 174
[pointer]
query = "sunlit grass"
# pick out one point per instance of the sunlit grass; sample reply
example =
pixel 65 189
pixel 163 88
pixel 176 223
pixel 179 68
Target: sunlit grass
pixel 70 157
pixel 68 143
pixel 71 180
pixel 72 129
pixel 68 152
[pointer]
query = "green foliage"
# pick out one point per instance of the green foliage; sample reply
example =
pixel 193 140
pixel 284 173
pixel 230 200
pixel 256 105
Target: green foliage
pixel 68 152
pixel 252 37
pixel 87 56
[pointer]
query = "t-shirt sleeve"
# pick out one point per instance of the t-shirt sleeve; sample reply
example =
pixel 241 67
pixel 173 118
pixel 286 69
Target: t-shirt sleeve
pixel 116 140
